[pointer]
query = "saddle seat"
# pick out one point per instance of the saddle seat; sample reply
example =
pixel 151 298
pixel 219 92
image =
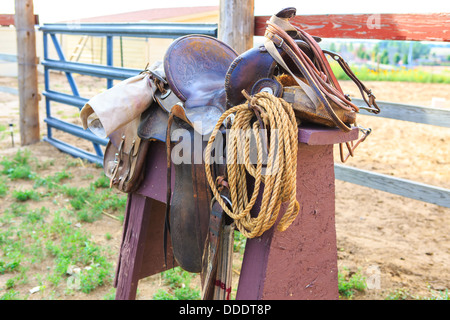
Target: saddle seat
pixel 195 67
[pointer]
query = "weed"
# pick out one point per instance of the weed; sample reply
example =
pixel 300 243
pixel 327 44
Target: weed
pixel 19 167
pixel 439 295
pixel 89 203
pixel 45 164
pixel 111 295
pixel 18 172
pixel 348 283
pixel 399 294
pixel 102 182
pixel 36 215
pixel 52 181
pixel 72 162
pixel 239 242
pixel 89 176
pixel 25 195
pixel 94 277
pixel 10 283
pixel 179 283
pixel 10 295
pixel 18 209
pixel 8 266
pixel 3 187
pixel 162 294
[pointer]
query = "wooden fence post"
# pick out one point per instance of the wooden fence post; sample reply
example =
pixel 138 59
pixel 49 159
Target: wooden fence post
pixel 27 72
pixel 236 24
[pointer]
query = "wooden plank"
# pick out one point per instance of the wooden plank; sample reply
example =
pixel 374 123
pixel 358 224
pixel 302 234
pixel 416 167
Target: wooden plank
pixel 419 114
pixel 132 247
pixel 27 73
pixel 398 186
pixel 315 135
pixel 420 27
pixel 8 19
pixel 235 27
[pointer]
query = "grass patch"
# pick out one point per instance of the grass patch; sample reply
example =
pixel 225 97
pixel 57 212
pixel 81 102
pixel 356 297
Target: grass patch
pixel 25 195
pixel 3 187
pixel 349 283
pixel 19 167
pixel 401 294
pixel 31 234
pixel 179 286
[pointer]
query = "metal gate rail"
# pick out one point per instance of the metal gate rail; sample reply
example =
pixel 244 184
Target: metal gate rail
pixel 108 71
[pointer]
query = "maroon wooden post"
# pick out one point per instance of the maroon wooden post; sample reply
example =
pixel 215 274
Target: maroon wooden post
pixel 142 249
pixel 301 262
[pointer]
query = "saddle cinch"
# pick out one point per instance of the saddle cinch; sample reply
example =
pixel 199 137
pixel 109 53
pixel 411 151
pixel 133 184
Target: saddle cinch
pixel 200 79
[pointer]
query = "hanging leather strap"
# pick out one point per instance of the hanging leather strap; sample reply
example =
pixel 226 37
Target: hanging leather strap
pixel 314 77
pixel 370 100
pixel 270 47
pixel 326 78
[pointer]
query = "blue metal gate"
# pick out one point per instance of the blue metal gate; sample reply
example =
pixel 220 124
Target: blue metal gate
pixel 108 71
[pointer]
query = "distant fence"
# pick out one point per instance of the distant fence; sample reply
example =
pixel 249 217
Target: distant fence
pixel 413 27
pixel 108 71
pixel 8 58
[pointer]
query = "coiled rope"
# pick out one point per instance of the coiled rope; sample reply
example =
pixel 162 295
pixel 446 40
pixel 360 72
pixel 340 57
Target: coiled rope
pixel 278 175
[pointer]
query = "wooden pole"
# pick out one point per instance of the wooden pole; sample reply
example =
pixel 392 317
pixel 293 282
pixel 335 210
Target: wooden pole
pixel 27 72
pixel 236 24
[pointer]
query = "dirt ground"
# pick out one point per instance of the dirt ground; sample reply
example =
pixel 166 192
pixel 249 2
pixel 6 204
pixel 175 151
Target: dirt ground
pixel 396 242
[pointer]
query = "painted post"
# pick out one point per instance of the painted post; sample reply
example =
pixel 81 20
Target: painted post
pixel 27 72
pixel 300 263
pixel 236 25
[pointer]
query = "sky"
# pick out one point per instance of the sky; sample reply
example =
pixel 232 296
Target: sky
pixel 66 10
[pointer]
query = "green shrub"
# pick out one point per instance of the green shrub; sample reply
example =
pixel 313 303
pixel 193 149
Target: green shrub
pixel 349 284
pixel 25 195
pixel 19 167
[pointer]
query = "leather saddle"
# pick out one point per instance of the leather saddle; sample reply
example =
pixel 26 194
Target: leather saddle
pixel 191 97
pixel 202 77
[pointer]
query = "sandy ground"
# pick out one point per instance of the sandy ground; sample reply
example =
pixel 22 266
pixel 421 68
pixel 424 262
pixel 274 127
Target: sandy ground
pixel 396 242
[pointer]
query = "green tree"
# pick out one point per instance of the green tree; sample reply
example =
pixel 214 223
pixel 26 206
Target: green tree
pixel 420 50
pixel 361 52
pixel 384 58
pixel 405 58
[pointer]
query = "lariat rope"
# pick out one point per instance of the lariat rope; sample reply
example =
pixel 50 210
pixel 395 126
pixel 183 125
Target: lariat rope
pixel 278 175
